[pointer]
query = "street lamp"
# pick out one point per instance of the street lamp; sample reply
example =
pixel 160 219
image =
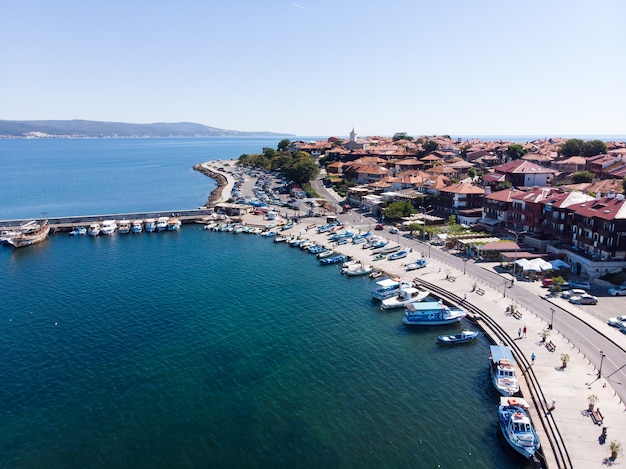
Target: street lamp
pixel 551 318
pixel 602 355
pixel 516 233
pixel 464 265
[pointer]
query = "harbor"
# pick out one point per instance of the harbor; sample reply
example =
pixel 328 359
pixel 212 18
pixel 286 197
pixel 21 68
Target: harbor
pixel 555 398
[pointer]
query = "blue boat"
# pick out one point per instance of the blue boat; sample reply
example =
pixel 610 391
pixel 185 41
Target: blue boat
pixel 78 231
pixel 398 255
pixel 431 313
pixel 333 260
pixel 419 264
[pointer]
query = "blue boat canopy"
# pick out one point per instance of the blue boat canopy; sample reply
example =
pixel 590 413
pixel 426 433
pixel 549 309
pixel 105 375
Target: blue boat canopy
pixel 501 352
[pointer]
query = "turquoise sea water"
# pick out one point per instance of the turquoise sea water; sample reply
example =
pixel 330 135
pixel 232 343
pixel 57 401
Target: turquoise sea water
pixel 202 349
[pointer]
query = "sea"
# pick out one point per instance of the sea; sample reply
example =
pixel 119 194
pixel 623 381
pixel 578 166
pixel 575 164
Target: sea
pixel 200 349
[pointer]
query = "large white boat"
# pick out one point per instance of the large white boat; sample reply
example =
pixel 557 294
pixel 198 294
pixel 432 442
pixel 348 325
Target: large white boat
pixel 137 226
pixel 404 297
pixel 517 428
pixel 431 313
pixel 94 229
pixel 503 370
pixel 173 224
pixel 150 225
pixel 357 268
pixel 386 288
pixel 32 232
pixel 161 223
pixel 123 226
pixel 108 227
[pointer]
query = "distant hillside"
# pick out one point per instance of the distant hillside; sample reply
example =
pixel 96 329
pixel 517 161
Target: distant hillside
pixel 98 129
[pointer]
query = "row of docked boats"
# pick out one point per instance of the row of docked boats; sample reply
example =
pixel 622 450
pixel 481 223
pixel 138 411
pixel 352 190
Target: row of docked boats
pixel 109 227
pixel 27 234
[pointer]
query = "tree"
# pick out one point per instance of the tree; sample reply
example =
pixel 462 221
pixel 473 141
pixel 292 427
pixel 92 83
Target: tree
pixel 572 147
pixel 283 145
pixel 503 185
pixel 401 136
pixel 515 151
pixel 624 183
pixel 594 147
pixel 397 210
pixel 582 176
pixel 451 221
pixel 471 172
pixel 302 169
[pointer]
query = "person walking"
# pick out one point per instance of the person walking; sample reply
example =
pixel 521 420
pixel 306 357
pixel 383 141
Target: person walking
pixel 532 358
pixel 519 333
pixel 524 331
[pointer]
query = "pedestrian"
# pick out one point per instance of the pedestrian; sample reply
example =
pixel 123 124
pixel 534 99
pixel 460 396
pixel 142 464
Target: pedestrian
pixel 532 357
pixel 519 333
pixel 464 296
pixel 524 331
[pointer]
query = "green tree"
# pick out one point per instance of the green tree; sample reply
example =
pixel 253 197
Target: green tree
pixel 503 185
pixel 397 210
pixel 283 145
pixel 401 136
pixel 269 153
pixel 572 147
pixel 451 221
pixel 582 176
pixel 471 172
pixel 302 169
pixel 593 148
pixel 515 151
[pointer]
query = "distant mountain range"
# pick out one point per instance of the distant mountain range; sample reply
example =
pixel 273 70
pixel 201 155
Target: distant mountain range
pixel 99 129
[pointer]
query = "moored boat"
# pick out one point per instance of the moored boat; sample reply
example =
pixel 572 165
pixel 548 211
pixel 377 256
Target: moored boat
pixel 123 226
pixel 517 428
pixel 357 269
pixel 503 370
pixel 161 223
pixel 419 264
pixel 150 225
pixel 405 296
pixel 173 224
pixel 108 227
pixel 29 233
pixel 94 229
pixel 461 337
pixel 386 288
pixel 137 226
pixel 78 231
pixel 398 255
pixel 431 313
pixel 333 260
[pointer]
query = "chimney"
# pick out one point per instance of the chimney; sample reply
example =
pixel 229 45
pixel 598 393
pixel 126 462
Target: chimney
pixel 611 194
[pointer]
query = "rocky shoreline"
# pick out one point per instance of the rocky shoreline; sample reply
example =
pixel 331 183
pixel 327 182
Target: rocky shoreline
pixel 219 178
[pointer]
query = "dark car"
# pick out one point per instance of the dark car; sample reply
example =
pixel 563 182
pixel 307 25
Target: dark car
pixel 379 227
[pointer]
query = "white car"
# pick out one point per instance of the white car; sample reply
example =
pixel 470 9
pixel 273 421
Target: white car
pixel 619 322
pixel 393 230
pixel 617 291
pixel 573 292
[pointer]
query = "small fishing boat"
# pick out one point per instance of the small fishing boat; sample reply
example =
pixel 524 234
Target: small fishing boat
pixel 150 225
pixel 173 224
pixel 78 231
pixel 517 428
pixel 161 223
pixel 108 227
pixel 387 287
pixel 333 260
pixel 398 255
pixel 431 313
pixel 123 226
pixel 94 229
pixel 419 264
pixel 387 249
pixel 405 296
pixel 137 226
pixel 464 336
pixel 324 254
pixel 357 269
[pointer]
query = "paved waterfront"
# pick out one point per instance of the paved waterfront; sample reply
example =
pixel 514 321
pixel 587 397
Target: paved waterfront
pixel 567 387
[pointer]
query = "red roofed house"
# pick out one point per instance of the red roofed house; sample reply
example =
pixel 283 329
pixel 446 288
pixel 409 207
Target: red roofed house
pixel 523 173
pixel 464 200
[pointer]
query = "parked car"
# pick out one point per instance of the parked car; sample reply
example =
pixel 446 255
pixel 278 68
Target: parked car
pixel 379 227
pixel 393 230
pixel 619 321
pixel 584 300
pixel 573 292
pixel 564 286
pixel 546 282
pixel 618 291
pixel 580 284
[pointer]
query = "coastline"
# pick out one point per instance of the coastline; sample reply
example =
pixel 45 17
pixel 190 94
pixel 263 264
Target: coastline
pixel 560 431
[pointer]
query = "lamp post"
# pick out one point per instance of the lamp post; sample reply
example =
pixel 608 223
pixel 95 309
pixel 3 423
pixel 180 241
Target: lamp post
pixel 464 265
pixel 602 355
pixel 551 318
pixel 516 233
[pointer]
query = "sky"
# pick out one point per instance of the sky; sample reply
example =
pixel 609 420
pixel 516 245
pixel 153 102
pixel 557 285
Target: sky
pixel 321 67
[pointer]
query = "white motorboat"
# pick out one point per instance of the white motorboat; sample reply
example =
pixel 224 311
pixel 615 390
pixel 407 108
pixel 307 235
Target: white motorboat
pixel 137 226
pixel 150 225
pixel 123 226
pixel 357 268
pixel 431 313
pixel 517 428
pixel 404 297
pixel 161 223
pixel 108 227
pixel 386 288
pixel 173 224
pixel 503 370
pixel 94 229
pixel 78 231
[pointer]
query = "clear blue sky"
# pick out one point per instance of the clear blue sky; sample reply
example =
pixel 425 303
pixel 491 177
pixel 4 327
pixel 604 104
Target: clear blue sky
pixel 320 67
